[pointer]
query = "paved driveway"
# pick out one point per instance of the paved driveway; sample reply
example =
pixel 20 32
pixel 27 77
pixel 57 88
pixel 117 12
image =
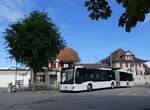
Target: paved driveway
pixel 136 98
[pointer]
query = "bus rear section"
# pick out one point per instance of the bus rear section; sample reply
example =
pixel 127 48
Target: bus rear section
pixel 123 79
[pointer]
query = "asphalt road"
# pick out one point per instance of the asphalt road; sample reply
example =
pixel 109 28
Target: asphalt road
pixel 135 98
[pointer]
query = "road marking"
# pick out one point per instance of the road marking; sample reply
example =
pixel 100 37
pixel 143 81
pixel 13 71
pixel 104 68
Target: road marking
pixel 128 93
pixel 124 93
pixel 148 91
pixel 134 94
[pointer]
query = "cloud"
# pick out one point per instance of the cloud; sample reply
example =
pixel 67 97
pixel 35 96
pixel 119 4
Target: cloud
pixel 9 13
pixel 14 9
pixel 9 10
pixel 2 29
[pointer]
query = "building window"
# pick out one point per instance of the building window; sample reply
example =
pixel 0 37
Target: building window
pixel 135 65
pixel 119 64
pixel 129 64
pixel 130 57
pixel 126 64
pixel 40 78
pixel 136 73
pixel 53 65
pixel 61 65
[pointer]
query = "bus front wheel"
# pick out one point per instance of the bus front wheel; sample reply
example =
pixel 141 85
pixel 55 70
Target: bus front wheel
pixel 127 84
pixel 112 85
pixel 89 87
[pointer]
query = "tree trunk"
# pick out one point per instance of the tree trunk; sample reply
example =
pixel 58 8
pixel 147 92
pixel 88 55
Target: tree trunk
pixel 47 80
pixel 33 80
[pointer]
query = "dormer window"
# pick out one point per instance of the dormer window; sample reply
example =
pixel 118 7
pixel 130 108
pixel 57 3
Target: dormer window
pixel 127 57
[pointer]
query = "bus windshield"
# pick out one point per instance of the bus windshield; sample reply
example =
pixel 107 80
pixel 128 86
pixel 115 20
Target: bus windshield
pixel 67 76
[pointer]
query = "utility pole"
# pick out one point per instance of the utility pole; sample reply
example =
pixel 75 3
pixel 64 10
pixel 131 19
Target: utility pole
pixel 110 60
pixel 96 61
pixel 16 74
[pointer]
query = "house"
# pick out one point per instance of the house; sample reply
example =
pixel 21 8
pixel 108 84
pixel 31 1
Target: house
pixel 147 67
pixel 125 60
pixel 67 57
pixel 148 63
pixel 14 75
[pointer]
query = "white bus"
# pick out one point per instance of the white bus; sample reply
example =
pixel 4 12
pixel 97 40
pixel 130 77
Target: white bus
pixel 80 79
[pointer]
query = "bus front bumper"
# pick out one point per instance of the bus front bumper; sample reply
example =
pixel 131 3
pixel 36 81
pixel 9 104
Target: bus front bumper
pixel 70 87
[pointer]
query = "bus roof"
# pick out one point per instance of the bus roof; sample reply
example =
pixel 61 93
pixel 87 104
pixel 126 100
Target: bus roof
pixel 92 68
pixel 121 70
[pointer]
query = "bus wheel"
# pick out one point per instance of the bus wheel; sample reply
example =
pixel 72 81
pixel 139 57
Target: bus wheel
pixel 112 85
pixel 89 87
pixel 127 84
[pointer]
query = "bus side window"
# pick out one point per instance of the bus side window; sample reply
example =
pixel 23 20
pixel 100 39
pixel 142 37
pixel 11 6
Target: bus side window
pixel 111 76
pixel 104 75
pixel 97 75
pixel 78 76
pixel 86 76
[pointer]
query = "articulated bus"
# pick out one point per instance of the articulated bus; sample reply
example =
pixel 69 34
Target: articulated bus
pixel 80 78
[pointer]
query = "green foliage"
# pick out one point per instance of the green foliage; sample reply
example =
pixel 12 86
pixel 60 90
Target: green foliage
pixel 135 11
pixel 34 40
pixel 98 9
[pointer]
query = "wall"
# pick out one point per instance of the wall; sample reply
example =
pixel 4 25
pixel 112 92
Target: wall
pixel 141 79
pixel 7 76
pixel 56 78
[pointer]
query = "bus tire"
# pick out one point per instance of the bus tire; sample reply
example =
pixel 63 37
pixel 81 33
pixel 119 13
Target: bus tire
pixel 112 85
pixel 127 85
pixel 89 87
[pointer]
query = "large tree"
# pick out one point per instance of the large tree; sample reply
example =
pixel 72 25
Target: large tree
pixel 134 11
pixel 34 41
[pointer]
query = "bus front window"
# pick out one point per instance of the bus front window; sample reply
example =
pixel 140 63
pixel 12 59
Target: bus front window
pixel 67 76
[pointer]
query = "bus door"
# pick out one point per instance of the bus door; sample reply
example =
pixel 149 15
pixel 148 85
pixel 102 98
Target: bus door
pixel 117 78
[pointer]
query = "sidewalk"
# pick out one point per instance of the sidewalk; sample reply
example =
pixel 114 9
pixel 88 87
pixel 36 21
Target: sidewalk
pixel 26 91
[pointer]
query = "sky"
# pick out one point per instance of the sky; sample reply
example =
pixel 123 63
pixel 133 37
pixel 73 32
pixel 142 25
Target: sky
pixel 93 40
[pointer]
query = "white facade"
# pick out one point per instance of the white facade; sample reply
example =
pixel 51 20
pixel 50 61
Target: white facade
pixel 142 79
pixel 54 79
pixel 148 64
pixel 24 75
pixel 9 75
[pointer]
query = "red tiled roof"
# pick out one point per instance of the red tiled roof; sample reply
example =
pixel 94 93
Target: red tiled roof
pixel 68 55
